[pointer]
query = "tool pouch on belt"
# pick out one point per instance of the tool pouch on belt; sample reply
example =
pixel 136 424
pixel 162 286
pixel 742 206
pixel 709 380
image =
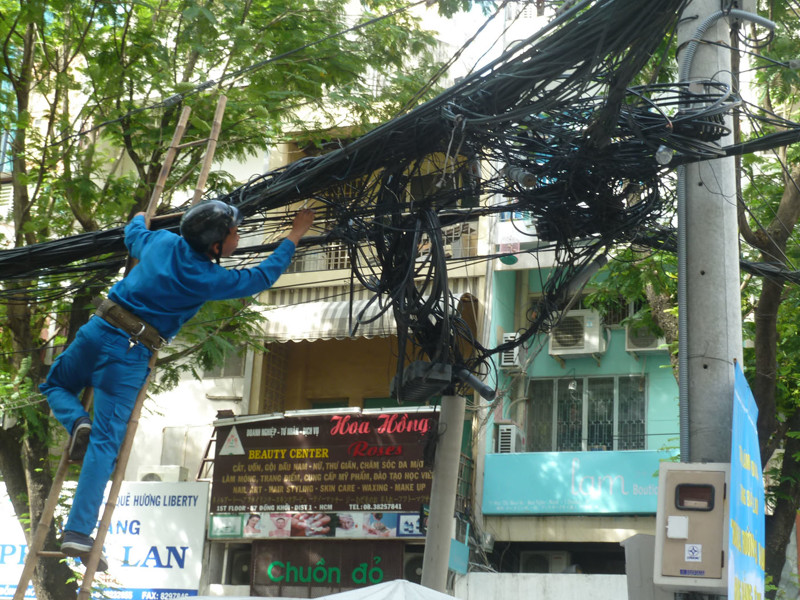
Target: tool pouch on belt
pixel 140 331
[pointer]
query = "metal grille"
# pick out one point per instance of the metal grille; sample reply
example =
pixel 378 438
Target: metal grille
pixel 459 241
pixel 601 414
pixel 276 364
pixel 570 332
pixel 232 366
pixel 328 258
pixel 631 417
pixel 464 486
pixel 307 260
pixel 337 257
pixel 586 413
pixel 569 420
pixel 6 194
pixel 539 436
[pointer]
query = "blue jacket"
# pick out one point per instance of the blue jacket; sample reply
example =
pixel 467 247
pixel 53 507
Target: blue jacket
pixel 172 281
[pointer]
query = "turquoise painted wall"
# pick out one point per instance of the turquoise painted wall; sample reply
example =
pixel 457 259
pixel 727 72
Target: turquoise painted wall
pixel 504 293
pixel 558 483
pixel 662 389
pixel 662 392
pixel 662 414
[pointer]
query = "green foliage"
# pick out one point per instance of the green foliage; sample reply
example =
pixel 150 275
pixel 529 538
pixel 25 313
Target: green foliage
pixel 95 126
pixel 18 399
pixel 219 330
pixel 128 56
pixel 772 76
pixel 624 279
pixel 93 111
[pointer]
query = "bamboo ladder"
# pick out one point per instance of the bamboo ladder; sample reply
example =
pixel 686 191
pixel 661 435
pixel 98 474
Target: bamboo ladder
pixel 35 550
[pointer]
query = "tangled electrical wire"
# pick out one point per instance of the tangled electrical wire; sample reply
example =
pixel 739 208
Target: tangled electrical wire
pixel 553 129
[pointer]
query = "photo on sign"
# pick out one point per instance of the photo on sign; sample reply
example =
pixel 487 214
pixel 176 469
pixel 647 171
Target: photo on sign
pixel 252 525
pixel 409 526
pixel 225 526
pixel 381 525
pixel 307 525
pixel 268 525
pixel 350 525
pixel 279 525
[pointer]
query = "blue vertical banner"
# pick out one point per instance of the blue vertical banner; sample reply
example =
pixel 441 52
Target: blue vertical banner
pixel 746 529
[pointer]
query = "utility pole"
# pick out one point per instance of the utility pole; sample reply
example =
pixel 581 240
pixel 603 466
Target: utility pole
pixel 709 298
pixel 435 560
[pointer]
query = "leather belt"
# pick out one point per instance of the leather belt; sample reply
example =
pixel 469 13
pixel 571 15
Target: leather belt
pixel 139 330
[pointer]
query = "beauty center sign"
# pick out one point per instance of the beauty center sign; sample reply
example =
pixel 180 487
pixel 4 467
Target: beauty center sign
pixel 323 463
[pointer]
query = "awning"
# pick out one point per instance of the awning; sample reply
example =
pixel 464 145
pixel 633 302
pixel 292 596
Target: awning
pixel 328 321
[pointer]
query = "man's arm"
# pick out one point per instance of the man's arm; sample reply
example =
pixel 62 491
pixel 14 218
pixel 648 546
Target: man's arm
pixel 301 224
pixel 236 283
pixel 135 234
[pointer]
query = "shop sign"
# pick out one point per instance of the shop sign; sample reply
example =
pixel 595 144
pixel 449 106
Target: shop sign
pixel 154 545
pixel 324 464
pixel 322 568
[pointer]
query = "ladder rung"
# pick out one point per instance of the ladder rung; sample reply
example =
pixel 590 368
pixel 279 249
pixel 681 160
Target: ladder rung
pixel 51 554
pixel 191 144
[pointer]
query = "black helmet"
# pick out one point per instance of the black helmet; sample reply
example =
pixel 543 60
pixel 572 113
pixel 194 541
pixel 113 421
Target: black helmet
pixel 207 223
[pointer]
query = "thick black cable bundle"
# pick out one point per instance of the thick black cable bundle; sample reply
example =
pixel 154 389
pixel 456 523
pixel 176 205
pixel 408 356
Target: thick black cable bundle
pixel 561 135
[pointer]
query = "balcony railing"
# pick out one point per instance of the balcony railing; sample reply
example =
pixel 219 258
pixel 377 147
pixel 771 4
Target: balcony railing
pixel 460 241
pixel 466 467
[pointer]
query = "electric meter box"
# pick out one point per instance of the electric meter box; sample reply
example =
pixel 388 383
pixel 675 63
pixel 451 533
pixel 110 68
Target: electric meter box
pixel 691 546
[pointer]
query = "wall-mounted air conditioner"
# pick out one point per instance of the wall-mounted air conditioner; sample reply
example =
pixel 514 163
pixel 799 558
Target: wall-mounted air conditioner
pixel 162 473
pixel 412 567
pixel 544 562
pixel 579 333
pixel 240 559
pixel 511 359
pixel 642 339
pixel 509 439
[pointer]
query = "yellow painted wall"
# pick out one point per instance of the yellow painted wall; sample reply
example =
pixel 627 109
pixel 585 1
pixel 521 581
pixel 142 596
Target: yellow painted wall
pixel 335 369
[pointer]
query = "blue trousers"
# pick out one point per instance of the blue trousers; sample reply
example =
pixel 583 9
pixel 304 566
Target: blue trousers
pixel 99 357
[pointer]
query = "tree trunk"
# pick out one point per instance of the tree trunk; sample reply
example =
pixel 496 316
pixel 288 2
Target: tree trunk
pixel 27 485
pixel 780 524
pixel 660 308
pixel 766 364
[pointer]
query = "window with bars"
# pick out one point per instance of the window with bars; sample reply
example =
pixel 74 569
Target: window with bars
pixel 325 258
pixel 337 257
pixel 459 241
pixel 275 369
pixel 586 413
pixel 232 366
pixel 421 187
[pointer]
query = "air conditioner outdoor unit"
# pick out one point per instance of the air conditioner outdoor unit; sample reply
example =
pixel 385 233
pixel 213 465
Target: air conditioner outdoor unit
pixel 239 562
pixel 412 567
pixel 510 359
pixel 544 562
pixel 579 333
pixel 642 339
pixel 509 439
pixel 162 473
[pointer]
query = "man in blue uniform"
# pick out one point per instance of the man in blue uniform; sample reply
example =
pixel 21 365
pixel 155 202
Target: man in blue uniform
pixel 174 277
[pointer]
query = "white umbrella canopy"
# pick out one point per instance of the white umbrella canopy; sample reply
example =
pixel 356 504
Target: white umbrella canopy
pixel 397 589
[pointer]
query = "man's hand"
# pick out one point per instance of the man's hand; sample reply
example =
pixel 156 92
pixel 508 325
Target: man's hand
pixel 302 223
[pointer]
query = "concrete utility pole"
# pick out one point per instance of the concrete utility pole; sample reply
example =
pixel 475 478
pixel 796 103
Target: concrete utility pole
pixel 709 298
pixel 436 558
